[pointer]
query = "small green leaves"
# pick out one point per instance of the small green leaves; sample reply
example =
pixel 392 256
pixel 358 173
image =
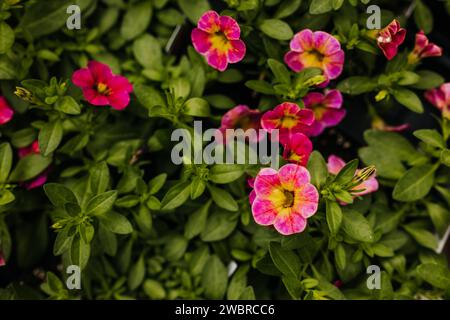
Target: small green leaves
pixel 29 167
pixel 320 6
pixel 431 137
pixel 59 195
pixel 215 278
pixel 116 223
pixel 317 167
pixel 223 198
pixel 102 203
pixel 7 37
pixel 285 260
pixel 50 137
pixel 435 274
pixel 356 226
pixel 408 99
pixel 423 17
pixel 68 105
pixel 196 107
pixel 5 161
pixel 225 173
pixel 136 20
pixel 357 85
pixel 176 196
pixel 276 29
pixel 334 216
pixel 415 184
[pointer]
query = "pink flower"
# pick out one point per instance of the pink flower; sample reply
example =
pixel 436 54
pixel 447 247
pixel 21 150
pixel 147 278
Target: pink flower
pixel 284 198
pixel 423 48
pixel 101 87
pixel 6 112
pixel 327 110
pixel 335 164
pixel 440 98
pixel 41 179
pixel 2 259
pixel 298 149
pixel 316 49
pixel 390 38
pixel 288 118
pixel 217 38
pixel 241 117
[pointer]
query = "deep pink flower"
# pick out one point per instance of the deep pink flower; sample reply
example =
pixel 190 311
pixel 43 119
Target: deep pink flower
pixel 335 164
pixel 288 118
pixel 327 110
pixel 2 259
pixel 298 149
pixel 284 198
pixel 316 49
pixel 424 48
pixel 390 38
pixel 218 39
pixel 440 98
pixel 241 117
pixel 101 87
pixel 6 112
pixel 41 179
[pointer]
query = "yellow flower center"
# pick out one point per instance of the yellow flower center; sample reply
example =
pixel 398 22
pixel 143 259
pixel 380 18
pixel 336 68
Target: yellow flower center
pixel 103 89
pixel 319 111
pixel 288 122
pixel 220 42
pixel 313 58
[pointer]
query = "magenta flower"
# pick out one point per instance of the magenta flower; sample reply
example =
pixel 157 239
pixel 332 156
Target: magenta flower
pixel 41 179
pixel 440 98
pixel 390 38
pixel 101 87
pixel 335 164
pixel 327 110
pixel 298 149
pixel 284 198
pixel 288 118
pixel 316 49
pixel 2 259
pixel 6 112
pixel 423 48
pixel 241 117
pixel 218 39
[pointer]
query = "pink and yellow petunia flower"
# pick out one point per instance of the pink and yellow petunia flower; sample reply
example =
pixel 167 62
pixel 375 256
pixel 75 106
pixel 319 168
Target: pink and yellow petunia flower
pixel 101 87
pixel 6 112
pixel 335 164
pixel 327 110
pixel 423 49
pixel 284 198
pixel 218 39
pixel 241 117
pixel 316 50
pixel 298 149
pixel 390 38
pixel 440 98
pixel 41 179
pixel 288 118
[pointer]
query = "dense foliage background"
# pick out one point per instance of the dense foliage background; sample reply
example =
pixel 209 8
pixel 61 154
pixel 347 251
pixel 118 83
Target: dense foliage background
pixel 143 227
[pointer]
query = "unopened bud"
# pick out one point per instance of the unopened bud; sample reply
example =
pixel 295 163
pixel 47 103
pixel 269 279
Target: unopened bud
pixel 314 81
pixel 24 94
pixel 364 175
pixel 381 95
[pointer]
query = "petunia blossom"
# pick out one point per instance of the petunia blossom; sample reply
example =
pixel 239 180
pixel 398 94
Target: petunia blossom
pixel 2 259
pixel 288 118
pixel 284 198
pixel 327 108
pixel 316 50
pixel 423 48
pixel 390 38
pixel 218 39
pixel 241 117
pixel 41 179
pixel 335 164
pixel 298 149
pixel 6 112
pixel 101 87
pixel 440 98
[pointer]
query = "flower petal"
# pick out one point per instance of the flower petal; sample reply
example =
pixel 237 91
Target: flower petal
pixel 217 60
pixel 292 176
pixel 325 43
pixel 119 83
pixel 292 59
pixel 289 223
pixel 230 28
pixel 264 212
pixel 237 51
pixel 302 41
pixel 200 40
pixel 333 99
pixel 119 100
pixel 100 72
pixel 306 200
pixel 83 78
pixel 334 64
pixel 94 98
pixel 209 22
pixel 335 164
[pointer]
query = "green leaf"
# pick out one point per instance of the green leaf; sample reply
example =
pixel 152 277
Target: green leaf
pixel 99 178
pixel 260 86
pixel 116 223
pixel 175 248
pixel 198 186
pixel 29 167
pixel 194 9
pixel 225 173
pixel 214 278
pixel 408 99
pixel 223 198
pixel 317 167
pixel 287 8
pixel 154 290
pixel 423 237
pixel 7 37
pixel 5 161
pixel 196 107
pixel 197 221
pixel 136 274
pixel 435 274
pixel 285 260
pixel 431 137
pixel 357 85
pixel 50 137
pixel 320 6
pixel 68 105
pixel 276 29
pixel 356 226
pixel 415 183
pixel 238 283
pixel 59 194
pixel 176 196
pixel 445 157
pixel 148 96
pixel 428 80
pixel 62 242
pixel 157 183
pixel 280 71
pixel 101 204
pixel 423 17
pixel 340 256
pixel 147 51
pixel 80 252
pixel 136 19
pixel 219 226
pixel 347 173
pixel 334 216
